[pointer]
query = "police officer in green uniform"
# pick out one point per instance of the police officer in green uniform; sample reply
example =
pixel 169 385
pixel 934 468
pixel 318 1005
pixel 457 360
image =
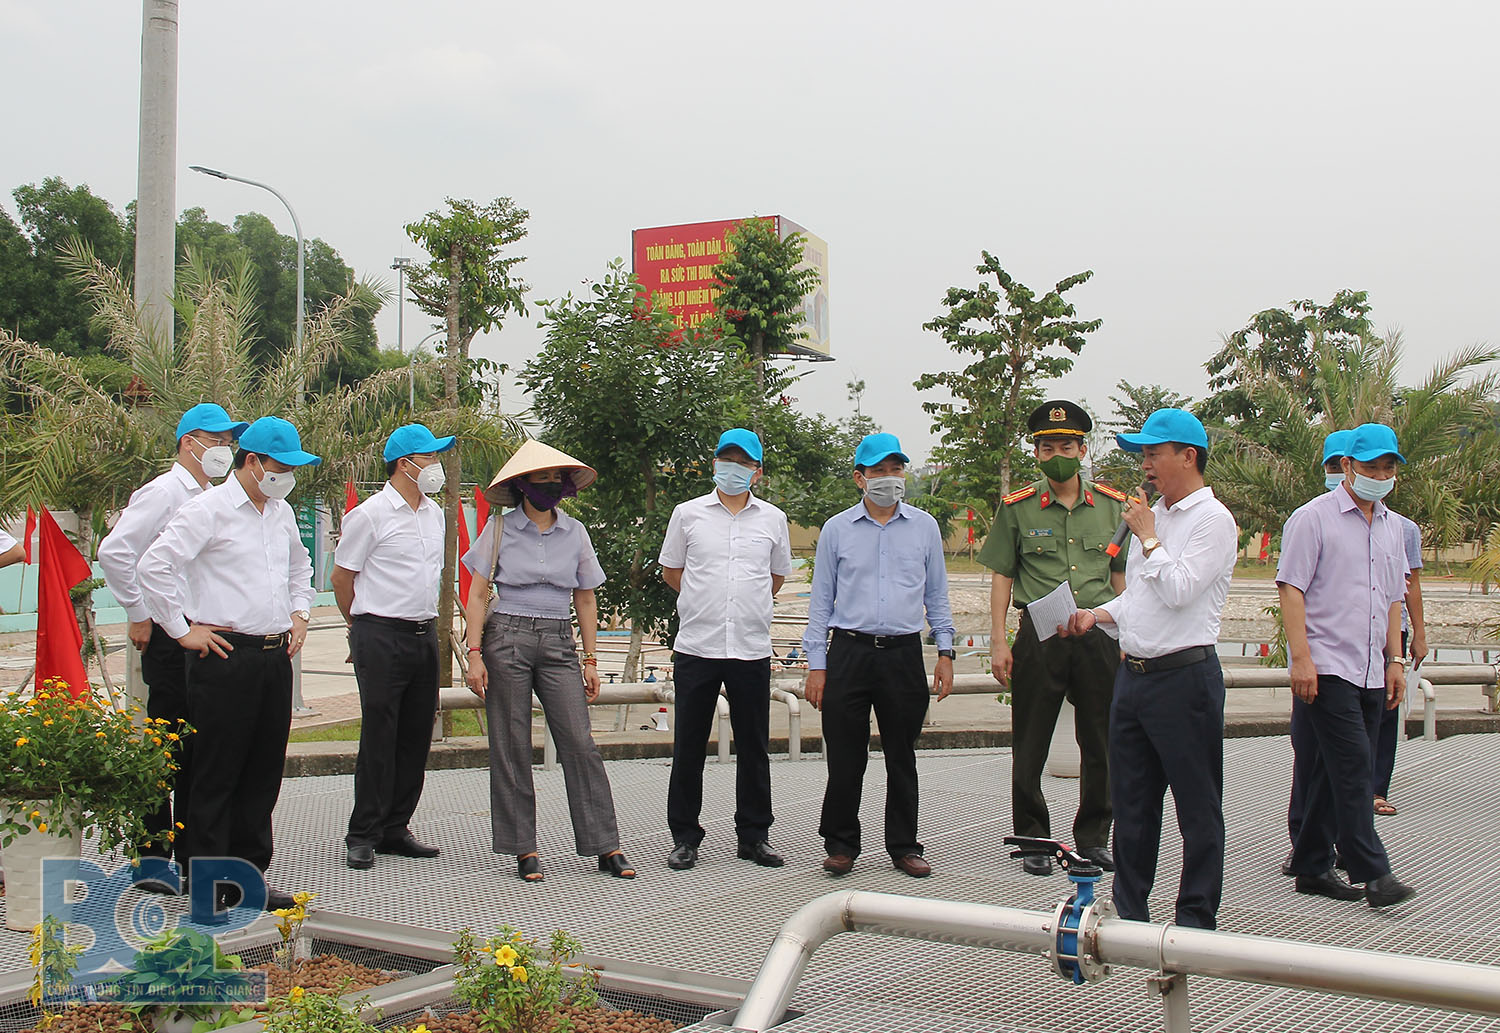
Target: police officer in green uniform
pixel 1054 531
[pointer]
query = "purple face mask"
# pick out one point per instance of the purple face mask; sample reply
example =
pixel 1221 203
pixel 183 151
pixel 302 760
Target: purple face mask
pixel 547 494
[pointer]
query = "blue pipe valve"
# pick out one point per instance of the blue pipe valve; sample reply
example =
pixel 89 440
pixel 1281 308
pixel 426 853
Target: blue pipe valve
pixel 1077 918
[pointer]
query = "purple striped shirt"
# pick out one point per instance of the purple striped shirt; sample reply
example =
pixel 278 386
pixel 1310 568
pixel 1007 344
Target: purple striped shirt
pixel 1350 572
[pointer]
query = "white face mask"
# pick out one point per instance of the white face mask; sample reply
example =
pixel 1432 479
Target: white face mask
pixel 885 491
pixel 277 485
pixel 430 479
pixel 215 460
pixel 1372 489
pixel 1333 480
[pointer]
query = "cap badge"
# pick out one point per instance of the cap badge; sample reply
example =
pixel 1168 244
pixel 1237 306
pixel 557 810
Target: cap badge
pixel 1058 414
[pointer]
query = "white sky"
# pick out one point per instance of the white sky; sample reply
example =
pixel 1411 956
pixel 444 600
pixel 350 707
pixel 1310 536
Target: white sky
pixel 1205 160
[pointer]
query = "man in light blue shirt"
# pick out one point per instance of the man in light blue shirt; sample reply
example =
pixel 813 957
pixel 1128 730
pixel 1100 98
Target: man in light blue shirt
pixel 879 569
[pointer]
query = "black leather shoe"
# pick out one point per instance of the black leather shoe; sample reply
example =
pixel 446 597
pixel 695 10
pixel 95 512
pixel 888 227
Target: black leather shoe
pixel 762 854
pixel 682 857
pixel 1327 885
pixel 1387 890
pixel 407 846
pixel 1036 865
pixel 1286 865
pixel 359 856
pixel 1100 855
pixel 278 899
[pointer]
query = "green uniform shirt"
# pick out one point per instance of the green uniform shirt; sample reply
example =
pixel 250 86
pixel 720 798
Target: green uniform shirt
pixel 1039 544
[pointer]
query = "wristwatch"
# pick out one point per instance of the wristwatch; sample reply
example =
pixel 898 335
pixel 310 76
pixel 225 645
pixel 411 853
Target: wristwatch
pixel 948 653
pixel 1396 660
pixel 1148 544
pixel 304 614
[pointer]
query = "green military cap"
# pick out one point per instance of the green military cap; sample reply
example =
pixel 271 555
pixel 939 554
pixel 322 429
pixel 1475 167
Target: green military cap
pixel 1058 418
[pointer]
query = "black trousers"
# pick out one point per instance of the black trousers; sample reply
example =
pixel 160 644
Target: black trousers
pixel 1082 670
pixel 397 671
pixel 1385 742
pixel 892 681
pixel 242 710
pixel 747 686
pixel 1344 720
pixel 1166 730
pixel 163 668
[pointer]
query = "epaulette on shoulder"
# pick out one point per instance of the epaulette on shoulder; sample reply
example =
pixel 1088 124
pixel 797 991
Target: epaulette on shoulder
pixel 1114 493
pixel 1018 495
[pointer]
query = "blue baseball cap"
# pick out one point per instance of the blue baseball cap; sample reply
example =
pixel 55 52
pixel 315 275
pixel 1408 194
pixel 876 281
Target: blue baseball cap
pixel 1371 441
pixel 745 440
pixel 272 436
pixel 1177 426
pixel 1336 445
pixel 210 417
pixel 876 447
pixel 414 438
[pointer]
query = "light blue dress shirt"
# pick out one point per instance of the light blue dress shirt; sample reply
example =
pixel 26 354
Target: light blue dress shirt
pixel 878 579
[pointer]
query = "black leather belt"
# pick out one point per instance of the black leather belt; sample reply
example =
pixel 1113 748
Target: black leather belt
pixel 280 641
pixel 1170 662
pixel 415 627
pixel 881 641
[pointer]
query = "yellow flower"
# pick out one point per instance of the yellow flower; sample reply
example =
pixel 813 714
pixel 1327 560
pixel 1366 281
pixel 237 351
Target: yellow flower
pixel 171 835
pixel 41 827
pixel 100 735
pixel 420 1027
pixel 22 741
pixel 486 949
pixel 286 912
pixel 302 897
pixel 47 723
pixel 518 973
pixel 296 993
pixel 34 815
pixel 506 955
pixel 180 825
pixel 173 736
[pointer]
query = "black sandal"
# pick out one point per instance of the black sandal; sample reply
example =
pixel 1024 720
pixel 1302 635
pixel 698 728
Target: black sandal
pixel 616 865
pixel 529 868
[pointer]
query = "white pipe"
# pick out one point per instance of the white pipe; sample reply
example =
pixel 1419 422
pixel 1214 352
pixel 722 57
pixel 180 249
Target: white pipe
pixel 1166 949
pixel 1429 710
pixel 722 706
pixel 793 722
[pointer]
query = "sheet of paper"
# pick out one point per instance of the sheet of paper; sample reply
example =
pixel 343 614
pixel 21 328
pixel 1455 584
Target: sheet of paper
pixel 1052 609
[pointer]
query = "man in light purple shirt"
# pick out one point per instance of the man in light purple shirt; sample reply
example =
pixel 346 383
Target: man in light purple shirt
pixel 1341 578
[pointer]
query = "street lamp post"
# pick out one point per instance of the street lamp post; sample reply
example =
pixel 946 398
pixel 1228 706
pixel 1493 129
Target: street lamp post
pixel 297 226
pixel 411 369
pixel 400 265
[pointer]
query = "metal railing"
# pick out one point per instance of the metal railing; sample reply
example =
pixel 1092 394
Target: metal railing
pixel 1170 952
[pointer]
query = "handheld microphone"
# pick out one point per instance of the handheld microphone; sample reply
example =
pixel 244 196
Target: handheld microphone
pixel 1122 533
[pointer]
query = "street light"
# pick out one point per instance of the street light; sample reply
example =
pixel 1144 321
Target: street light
pixel 296 225
pixel 400 265
pixel 411 369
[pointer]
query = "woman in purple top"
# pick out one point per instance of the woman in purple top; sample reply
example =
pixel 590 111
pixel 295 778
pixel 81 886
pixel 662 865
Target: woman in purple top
pixel 542 565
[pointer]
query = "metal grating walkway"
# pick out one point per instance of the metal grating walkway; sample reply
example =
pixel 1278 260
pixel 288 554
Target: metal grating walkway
pixel 720 917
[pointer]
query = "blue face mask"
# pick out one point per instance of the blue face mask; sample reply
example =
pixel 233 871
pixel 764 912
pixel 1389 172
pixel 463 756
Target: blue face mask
pixel 1333 480
pixel 732 478
pixel 1372 489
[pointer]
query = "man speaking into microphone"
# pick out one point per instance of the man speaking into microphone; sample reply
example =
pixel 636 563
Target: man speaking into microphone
pixel 1046 534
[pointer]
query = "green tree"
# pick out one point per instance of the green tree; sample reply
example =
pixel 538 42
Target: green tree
pixel 1112 464
pixel 1019 341
pixel 761 284
pixel 1280 343
pixel 618 386
pixel 469 284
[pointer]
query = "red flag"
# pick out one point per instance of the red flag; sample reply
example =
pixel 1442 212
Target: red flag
pixel 481 509
pixel 464 577
pixel 351 498
pixel 30 530
pixel 58 640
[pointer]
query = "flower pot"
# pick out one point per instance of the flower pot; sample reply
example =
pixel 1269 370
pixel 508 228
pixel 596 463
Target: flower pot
pixel 23 866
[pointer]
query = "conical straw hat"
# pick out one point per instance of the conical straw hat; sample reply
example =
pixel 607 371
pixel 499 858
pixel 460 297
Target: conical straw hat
pixel 532 456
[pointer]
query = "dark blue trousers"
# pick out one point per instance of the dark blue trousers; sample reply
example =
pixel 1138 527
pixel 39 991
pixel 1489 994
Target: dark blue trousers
pixel 1344 720
pixel 1166 731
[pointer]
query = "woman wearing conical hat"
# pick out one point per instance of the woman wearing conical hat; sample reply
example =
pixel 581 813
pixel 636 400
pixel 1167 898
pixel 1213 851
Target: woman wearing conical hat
pixel 542 565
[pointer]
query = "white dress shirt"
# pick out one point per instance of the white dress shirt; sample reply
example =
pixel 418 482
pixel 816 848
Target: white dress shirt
pixel 727 561
pixel 1173 598
pixel 396 553
pixel 151 506
pixel 242 569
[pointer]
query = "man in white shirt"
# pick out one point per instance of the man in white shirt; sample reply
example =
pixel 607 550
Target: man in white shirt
pixel 385 578
pixel 11 551
pixel 1166 725
pixel 726 554
pixel 205 435
pixel 231 581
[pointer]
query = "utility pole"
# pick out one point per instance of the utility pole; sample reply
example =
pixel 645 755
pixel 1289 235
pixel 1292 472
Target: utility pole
pixel 400 265
pixel 156 177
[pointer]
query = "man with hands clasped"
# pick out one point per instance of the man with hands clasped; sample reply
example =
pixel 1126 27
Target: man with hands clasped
pixel 1341 579
pixel 879 565
pixel 1166 724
